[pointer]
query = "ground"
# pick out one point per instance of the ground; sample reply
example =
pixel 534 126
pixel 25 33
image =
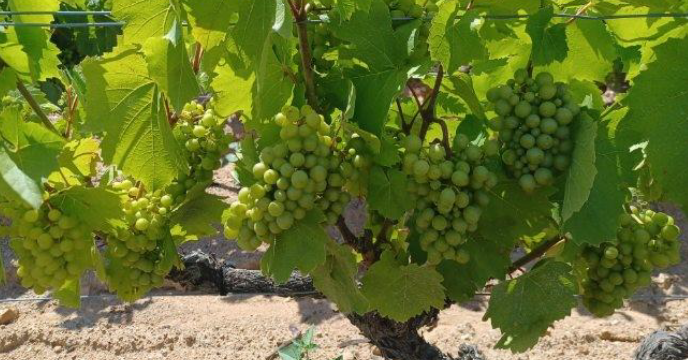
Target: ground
pixel 173 324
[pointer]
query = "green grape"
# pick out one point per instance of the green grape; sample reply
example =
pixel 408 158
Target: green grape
pixel 615 270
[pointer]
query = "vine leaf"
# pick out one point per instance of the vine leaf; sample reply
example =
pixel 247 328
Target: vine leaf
pixel 8 79
pixel 582 172
pixel 273 86
pixel 195 218
pixel 489 259
pixel 455 43
pixel 144 19
pixel 549 42
pixel 523 308
pixel 384 53
pixel 336 279
pixel 388 193
pixel 69 293
pixel 513 214
pixel 606 199
pixel 462 85
pixel 99 208
pixel 77 160
pixel 170 68
pixel 658 104
pixel 233 90
pixel 37 58
pixel 393 289
pixel 507 7
pixel 589 43
pixel 28 155
pixel 124 102
pixel 207 27
pixel 301 247
pixel 253 28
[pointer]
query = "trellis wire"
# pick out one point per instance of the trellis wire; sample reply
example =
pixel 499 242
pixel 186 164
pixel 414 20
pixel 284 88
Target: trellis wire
pixel 303 293
pixel 310 21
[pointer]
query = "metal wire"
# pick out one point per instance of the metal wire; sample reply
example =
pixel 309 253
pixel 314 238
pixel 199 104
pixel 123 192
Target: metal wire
pixel 315 21
pixel 304 293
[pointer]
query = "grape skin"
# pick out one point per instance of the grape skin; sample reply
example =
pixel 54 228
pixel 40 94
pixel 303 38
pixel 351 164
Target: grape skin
pixel 534 119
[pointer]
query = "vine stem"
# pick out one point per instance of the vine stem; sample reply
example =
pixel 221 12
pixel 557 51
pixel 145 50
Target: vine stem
pixel 428 113
pixel 298 9
pixel 533 255
pixel 36 108
pixel 445 137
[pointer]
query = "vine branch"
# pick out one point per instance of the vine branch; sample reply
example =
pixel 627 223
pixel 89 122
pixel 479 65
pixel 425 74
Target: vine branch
pixel 533 255
pixel 298 9
pixel 445 137
pixel 363 245
pixel 36 108
pixel 428 113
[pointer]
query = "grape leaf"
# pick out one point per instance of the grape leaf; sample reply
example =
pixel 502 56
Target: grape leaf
pixel 389 153
pixel 69 293
pixel 347 7
pixel 384 53
pixel 605 203
pixel 549 42
pixel 387 192
pixel 462 85
pixel 16 185
pixel 589 43
pixel 123 102
pixel 582 172
pixel 301 247
pixel 207 26
pixel 35 41
pixel 170 68
pixel 489 259
pixel 8 80
pixel 80 157
pixel 144 19
pixel 273 86
pixel 513 214
pixel 523 308
pixel 506 7
pixel 455 43
pixel 99 208
pixel 233 90
pixel 394 290
pixel 195 218
pixel 252 30
pixel 336 279
pixel 658 104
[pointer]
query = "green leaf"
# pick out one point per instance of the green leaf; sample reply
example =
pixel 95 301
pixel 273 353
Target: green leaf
pixel 35 41
pixel 400 292
pixel 252 30
pixel 170 256
pixel 455 43
pixel 606 199
pixel 273 86
pixel 144 19
pixel 207 26
pixel 472 127
pixel 232 90
pixel 507 7
pixel 170 68
pixel 371 140
pixel 336 279
pixel 462 85
pixel 99 208
pixel 658 108
pixel 195 218
pixel 582 172
pixel 8 80
pixel 123 102
pixel 301 247
pixel 80 157
pixel 69 293
pixel 98 264
pixel 489 259
pixel 389 153
pixel 16 185
pixel 523 308
pixel 388 192
pixel 378 46
pixel 513 214
pixel 589 43
pixel 549 42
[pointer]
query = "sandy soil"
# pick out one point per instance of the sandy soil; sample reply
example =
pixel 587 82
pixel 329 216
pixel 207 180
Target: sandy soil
pixel 171 324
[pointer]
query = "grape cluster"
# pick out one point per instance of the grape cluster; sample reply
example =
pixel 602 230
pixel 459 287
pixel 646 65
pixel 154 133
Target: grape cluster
pixel 135 250
pixel 534 121
pixel 51 247
pixel 645 240
pixel 450 192
pixel 401 9
pixel 300 173
pixel 202 133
